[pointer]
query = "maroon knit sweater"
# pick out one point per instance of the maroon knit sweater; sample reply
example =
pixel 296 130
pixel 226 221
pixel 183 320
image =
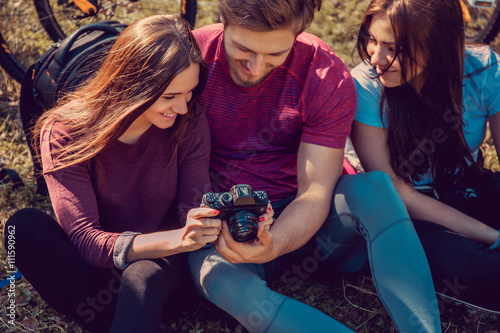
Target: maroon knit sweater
pixel 141 188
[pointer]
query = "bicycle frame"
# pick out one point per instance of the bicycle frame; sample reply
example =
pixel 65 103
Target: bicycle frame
pixel 475 3
pixel 88 7
pixel 482 3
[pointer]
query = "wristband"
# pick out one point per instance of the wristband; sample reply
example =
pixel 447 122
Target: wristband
pixel 497 243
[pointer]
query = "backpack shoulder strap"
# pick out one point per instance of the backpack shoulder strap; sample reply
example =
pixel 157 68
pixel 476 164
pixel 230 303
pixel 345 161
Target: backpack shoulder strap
pixel 13 175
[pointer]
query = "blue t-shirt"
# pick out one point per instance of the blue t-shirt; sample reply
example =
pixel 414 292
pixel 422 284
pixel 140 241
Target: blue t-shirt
pixel 481 95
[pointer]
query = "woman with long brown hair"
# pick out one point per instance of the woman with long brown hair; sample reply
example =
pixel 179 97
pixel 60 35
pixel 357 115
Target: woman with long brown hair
pixel 424 100
pixel 125 157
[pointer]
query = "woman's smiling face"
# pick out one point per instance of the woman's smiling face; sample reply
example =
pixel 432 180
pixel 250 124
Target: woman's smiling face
pixel 381 48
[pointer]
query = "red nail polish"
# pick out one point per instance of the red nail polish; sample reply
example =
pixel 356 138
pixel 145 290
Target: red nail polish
pixel 216 212
pixel 269 209
pixel 261 219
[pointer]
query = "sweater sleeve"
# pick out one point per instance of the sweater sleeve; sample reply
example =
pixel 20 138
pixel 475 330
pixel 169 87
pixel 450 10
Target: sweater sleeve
pixel 193 180
pixel 74 202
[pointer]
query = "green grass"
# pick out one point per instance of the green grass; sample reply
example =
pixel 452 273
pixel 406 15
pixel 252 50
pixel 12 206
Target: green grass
pixel 351 299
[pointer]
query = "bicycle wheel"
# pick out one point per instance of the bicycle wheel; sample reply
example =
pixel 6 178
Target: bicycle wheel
pixel 188 11
pixel 11 65
pixel 61 17
pixel 484 23
pixel 22 37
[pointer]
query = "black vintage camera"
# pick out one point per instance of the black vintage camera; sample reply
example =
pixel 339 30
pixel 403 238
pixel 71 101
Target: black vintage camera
pixel 239 208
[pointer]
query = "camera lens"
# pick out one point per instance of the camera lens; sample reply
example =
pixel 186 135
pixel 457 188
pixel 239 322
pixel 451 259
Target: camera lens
pixel 243 226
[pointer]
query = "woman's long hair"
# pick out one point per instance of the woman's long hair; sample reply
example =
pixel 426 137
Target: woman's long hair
pixel 143 61
pixel 425 120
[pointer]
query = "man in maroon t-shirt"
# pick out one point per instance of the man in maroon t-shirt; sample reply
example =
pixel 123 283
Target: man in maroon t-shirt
pixel 280 105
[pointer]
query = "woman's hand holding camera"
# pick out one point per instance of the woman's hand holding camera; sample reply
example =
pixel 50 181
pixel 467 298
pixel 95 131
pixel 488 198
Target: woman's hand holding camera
pixel 201 228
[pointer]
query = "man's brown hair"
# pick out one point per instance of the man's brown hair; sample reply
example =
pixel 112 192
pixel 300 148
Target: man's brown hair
pixel 267 15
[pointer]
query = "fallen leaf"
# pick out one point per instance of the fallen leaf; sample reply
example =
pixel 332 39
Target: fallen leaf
pixel 471 319
pixel 30 323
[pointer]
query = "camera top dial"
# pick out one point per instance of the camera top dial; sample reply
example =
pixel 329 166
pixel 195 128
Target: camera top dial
pixel 226 199
pixel 211 200
pixel 260 196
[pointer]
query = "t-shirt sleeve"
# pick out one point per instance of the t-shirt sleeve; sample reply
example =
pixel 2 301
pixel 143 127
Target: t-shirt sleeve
pixel 207 38
pixel 491 92
pixel 329 104
pixel 74 203
pixel 368 96
pixel 193 180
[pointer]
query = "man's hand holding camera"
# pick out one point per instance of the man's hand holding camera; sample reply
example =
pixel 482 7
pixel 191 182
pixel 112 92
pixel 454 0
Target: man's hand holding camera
pixel 247 216
pixel 255 251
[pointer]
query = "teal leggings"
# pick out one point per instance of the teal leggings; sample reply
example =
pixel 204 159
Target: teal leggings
pixel 368 222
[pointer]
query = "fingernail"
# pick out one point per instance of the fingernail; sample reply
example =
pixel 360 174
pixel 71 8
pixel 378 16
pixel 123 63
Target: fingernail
pixel 268 209
pixel 261 219
pixel 216 212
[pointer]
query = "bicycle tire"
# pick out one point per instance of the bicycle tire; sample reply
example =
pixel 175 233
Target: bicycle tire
pixel 61 17
pixel 484 25
pixel 9 63
pixel 22 38
pixel 188 11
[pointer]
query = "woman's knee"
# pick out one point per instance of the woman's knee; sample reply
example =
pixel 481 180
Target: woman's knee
pixel 159 275
pixel 25 216
pixel 29 225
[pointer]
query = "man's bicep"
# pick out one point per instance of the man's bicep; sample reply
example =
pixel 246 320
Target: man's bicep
pixel 318 167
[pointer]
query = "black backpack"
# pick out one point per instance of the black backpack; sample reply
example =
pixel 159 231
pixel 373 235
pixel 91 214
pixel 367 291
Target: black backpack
pixel 59 70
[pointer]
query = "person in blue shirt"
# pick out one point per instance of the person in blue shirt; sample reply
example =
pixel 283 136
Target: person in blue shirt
pixel 424 101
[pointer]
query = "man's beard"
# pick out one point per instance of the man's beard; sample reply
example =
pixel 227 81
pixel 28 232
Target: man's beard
pixel 244 83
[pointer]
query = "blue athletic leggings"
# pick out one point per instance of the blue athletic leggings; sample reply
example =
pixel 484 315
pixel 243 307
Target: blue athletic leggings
pixel 368 221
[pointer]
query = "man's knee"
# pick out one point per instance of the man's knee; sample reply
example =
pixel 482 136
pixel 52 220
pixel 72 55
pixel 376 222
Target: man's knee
pixel 372 191
pixel 218 279
pixel 224 283
pixel 371 200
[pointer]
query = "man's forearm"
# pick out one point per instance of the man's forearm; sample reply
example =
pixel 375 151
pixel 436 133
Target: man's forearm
pixel 299 221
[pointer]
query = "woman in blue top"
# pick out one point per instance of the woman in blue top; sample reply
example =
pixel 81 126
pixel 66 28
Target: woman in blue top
pixel 424 100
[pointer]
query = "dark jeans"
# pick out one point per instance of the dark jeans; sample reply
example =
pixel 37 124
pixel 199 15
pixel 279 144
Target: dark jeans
pixel 102 300
pixel 462 268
